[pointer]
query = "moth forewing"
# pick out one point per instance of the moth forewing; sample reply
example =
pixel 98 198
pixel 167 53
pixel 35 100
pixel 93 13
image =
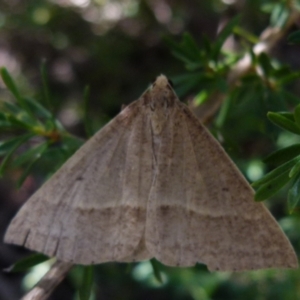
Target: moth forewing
pixel 152 183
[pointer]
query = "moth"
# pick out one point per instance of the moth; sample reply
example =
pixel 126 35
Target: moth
pixel 152 183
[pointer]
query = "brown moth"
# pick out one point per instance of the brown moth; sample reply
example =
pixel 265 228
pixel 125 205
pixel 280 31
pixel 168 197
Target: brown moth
pixel 152 183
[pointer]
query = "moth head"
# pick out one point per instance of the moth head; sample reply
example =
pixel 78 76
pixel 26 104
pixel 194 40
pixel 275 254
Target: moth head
pixel 162 81
pixel 161 93
pixel 160 100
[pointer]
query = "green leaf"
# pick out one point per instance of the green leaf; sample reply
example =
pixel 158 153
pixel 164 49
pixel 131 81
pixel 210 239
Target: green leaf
pixel 291 76
pixel 224 34
pixel 279 15
pixel 191 47
pixel 2 116
pixel 287 115
pixel 18 142
pixel 223 112
pixel 267 7
pixel 270 188
pixel 246 35
pixel 87 282
pixel 25 174
pixel 265 63
pixel 294 195
pixel 71 144
pixel 253 58
pixel 201 97
pixel 285 168
pixel 38 154
pixel 290 97
pixel 186 82
pixel 4 123
pixel 186 51
pixel 37 108
pixel 8 145
pixel 156 270
pixel 297 115
pixel 29 155
pixel 283 122
pixel 19 123
pixel 245 93
pixel 10 84
pixel 294 37
pixel 283 155
pixel 188 62
pixel 27 263
pixel 295 170
pixel 11 107
pixel 206 44
pixel 18 116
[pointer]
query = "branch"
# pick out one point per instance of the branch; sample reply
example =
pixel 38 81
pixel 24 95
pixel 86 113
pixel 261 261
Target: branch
pixel 49 282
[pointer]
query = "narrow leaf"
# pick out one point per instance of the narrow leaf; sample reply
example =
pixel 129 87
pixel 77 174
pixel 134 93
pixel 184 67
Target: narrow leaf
pixel 37 108
pixel 10 84
pixel 288 77
pixel 265 63
pixel 279 15
pixel 12 108
pixel 297 115
pixel 27 263
pixel 181 50
pixel 223 112
pixel 287 115
pixel 283 122
pixel 290 97
pixel 4 123
pixel 38 155
pixel 294 195
pixel 285 168
pixel 156 270
pixel 270 188
pixel 15 122
pixel 295 170
pixel 5 161
pixel 283 155
pixel 182 57
pixel 187 82
pixel 224 34
pixel 191 47
pixel 6 146
pixel 87 282
pixel 29 155
pixel 206 44
pixel 246 34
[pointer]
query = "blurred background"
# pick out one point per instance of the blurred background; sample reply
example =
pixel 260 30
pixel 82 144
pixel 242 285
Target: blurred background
pixel 117 48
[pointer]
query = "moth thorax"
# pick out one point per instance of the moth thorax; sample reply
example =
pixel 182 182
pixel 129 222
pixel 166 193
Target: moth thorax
pixel 161 98
pixel 159 113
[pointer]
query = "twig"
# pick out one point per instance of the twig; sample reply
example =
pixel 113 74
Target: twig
pixel 49 282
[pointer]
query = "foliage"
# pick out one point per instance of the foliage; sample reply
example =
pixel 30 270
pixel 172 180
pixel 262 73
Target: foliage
pixel 29 118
